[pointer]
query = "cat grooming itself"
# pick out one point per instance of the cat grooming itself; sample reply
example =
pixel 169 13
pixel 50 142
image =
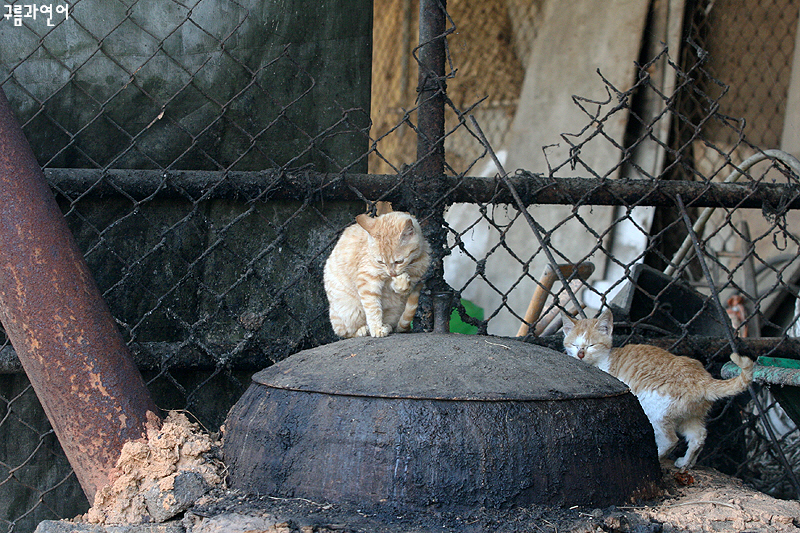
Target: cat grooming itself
pixel 373 276
pixel 675 392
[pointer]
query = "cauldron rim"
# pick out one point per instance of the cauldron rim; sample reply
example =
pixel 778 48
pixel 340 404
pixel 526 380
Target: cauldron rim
pixel 447 367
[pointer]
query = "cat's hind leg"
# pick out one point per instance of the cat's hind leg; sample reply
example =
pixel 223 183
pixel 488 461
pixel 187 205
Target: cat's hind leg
pixel 346 328
pixel 666 438
pixel 694 431
pixel 347 316
pixel 657 406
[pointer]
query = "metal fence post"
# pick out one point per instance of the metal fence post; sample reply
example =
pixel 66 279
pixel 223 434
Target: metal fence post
pixel 429 168
pixel 58 323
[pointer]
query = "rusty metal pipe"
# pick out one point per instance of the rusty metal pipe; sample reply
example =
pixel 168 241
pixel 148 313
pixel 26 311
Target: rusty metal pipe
pixel 431 89
pixel 533 189
pixel 429 178
pixel 58 323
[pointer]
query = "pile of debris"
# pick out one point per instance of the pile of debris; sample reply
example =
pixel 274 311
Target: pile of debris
pixel 159 476
pixel 172 481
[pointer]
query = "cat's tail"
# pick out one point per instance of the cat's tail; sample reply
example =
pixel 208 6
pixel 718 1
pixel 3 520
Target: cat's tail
pixel 722 388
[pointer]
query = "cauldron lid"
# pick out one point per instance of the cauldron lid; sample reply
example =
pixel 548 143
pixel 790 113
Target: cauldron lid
pixel 440 367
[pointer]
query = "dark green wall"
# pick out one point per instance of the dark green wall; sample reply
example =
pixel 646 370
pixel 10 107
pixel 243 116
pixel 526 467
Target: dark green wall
pixel 289 87
pixel 244 85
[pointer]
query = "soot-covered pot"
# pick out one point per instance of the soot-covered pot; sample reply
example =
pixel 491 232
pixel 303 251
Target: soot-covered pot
pixel 455 421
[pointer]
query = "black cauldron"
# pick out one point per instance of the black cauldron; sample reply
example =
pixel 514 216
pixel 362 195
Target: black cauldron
pixel 453 421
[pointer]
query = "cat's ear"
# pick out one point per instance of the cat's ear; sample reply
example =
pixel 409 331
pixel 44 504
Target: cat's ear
pixel 366 222
pixel 605 322
pixel 568 323
pixel 408 231
pixel 382 207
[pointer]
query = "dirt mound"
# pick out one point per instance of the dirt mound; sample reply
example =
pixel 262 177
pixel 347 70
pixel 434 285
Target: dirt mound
pixel 715 502
pixel 147 470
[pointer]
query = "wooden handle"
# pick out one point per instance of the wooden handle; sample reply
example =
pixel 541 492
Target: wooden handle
pixel 542 290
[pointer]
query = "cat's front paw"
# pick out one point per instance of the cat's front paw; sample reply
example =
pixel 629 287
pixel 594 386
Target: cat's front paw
pixel 363 331
pixel 381 331
pixel 401 284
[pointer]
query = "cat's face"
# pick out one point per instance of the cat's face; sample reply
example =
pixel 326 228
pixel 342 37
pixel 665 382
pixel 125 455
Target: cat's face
pixel 589 339
pixel 393 243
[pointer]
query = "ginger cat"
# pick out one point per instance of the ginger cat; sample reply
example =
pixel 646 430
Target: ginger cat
pixel 675 392
pixel 373 275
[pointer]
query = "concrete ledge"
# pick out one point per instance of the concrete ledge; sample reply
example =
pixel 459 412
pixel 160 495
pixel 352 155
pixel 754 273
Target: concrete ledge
pixel 62 526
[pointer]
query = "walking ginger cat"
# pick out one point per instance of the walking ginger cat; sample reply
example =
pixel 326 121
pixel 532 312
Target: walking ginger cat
pixel 675 392
pixel 373 276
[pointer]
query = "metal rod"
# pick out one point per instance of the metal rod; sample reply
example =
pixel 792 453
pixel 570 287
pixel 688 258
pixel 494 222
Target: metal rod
pixel 532 189
pixel 431 90
pixel 752 319
pixel 732 341
pixel 428 171
pixel 58 323
pixel 442 309
pixel 685 251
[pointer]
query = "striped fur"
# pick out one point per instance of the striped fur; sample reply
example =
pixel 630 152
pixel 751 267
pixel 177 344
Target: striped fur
pixel 373 275
pixel 675 392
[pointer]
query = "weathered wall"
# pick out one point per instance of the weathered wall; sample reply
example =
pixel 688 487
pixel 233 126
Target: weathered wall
pixel 185 273
pixel 198 88
pixel 485 47
pixel 751 45
pixel 214 272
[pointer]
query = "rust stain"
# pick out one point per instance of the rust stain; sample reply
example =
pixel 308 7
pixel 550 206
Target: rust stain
pixel 97 384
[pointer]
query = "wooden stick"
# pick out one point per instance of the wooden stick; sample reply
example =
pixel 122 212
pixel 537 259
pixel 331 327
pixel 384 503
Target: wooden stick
pixel 555 311
pixel 542 290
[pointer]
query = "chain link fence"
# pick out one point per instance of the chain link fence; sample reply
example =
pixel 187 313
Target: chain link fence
pixel 207 154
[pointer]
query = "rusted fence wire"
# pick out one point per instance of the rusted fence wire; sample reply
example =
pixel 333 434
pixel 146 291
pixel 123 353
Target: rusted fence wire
pixel 207 199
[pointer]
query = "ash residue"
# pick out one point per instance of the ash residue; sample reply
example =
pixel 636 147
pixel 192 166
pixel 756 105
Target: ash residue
pixel 231 511
pixel 703 501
